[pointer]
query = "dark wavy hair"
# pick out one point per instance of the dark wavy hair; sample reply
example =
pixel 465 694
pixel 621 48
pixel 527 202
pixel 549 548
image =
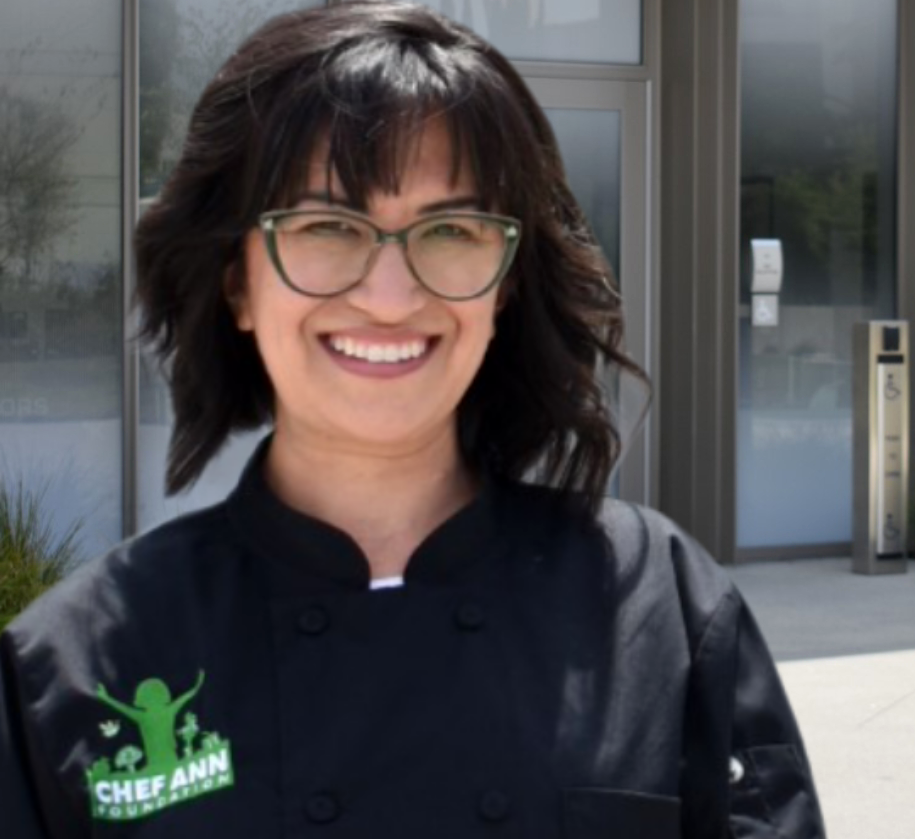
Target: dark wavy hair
pixel 365 77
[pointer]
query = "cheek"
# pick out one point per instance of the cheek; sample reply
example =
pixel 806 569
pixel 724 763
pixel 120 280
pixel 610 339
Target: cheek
pixel 265 308
pixel 263 302
pixel 488 315
pixel 479 328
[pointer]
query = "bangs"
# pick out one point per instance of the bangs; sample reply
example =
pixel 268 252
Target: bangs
pixel 364 110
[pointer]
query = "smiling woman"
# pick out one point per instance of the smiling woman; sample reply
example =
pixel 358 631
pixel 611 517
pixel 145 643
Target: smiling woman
pixel 417 615
pixel 356 293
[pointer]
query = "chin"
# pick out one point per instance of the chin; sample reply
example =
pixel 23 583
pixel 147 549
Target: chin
pixel 372 432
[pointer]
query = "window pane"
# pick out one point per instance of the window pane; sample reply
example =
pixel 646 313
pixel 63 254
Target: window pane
pixel 182 45
pixel 60 260
pixel 819 171
pixel 602 31
pixel 590 145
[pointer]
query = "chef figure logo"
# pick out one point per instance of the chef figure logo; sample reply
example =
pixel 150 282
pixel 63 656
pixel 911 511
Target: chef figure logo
pixel 152 776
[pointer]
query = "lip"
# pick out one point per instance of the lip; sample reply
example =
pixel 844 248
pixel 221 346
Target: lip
pixel 375 369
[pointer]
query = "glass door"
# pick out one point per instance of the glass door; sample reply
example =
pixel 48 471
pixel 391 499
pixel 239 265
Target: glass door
pixel 818 243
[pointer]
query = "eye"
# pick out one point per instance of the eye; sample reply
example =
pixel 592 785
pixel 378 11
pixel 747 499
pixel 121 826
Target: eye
pixel 452 230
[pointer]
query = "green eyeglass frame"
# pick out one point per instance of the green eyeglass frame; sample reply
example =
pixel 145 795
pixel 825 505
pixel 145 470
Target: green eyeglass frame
pixel 270 222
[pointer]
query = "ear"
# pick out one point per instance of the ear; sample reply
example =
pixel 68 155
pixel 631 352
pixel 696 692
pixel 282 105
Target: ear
pixel 234 289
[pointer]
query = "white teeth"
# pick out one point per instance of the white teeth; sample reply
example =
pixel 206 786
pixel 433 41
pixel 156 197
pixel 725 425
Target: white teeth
pixel 378 353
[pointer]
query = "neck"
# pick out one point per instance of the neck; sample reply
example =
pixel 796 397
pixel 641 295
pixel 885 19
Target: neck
pixel 388 502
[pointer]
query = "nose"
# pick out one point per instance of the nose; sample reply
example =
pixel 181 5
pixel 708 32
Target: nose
pixel 388 292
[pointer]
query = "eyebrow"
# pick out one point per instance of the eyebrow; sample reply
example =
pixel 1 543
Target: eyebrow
pixel 459 202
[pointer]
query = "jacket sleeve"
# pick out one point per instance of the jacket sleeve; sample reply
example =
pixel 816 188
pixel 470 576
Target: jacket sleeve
pixel 745 771
pixel 770 779
pixel 33 804
pixel 18 796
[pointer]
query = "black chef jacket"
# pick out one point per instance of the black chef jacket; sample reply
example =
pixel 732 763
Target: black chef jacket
pixel 538 676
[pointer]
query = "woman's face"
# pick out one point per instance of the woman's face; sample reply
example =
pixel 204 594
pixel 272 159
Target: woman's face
pixel 383 366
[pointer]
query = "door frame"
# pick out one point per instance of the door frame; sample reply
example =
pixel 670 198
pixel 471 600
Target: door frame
pixel 632 101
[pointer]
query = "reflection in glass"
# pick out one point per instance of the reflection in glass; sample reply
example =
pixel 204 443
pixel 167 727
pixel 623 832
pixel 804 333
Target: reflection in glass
pixel 818 173
pixel 182 45
pixel 590 145
pixel 600 31
pixel 60 265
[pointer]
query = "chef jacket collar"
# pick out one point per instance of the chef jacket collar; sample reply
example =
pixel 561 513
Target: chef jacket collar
pixel 314 548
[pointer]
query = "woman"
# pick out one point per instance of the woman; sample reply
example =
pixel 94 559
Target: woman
pixel 370 244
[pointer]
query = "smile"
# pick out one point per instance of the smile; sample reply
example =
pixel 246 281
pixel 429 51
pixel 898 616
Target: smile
pixel 379 353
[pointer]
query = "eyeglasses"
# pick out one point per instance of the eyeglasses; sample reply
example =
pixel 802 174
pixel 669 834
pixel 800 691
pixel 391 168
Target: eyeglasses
pixel 455 256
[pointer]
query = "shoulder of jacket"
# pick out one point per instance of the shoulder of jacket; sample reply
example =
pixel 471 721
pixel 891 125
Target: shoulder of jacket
pixel 651 542
pixel 181 534
pixel 132 571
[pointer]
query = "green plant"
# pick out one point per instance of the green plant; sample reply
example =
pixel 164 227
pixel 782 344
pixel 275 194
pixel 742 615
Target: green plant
pixel 33 556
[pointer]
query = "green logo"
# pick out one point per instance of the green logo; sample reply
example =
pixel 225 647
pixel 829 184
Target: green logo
pixel 153 776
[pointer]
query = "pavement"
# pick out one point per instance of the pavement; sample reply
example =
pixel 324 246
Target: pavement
pixel 845 648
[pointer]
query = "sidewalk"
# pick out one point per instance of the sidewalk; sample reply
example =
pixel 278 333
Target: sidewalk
pixel 845 645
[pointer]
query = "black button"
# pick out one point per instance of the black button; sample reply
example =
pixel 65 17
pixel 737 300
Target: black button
pixel 314 620
pixel 322 808
pixel 470 616
pixel 493 806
